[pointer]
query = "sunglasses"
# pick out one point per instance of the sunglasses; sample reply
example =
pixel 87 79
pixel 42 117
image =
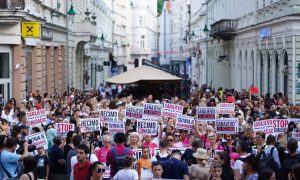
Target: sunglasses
pixel 176 135
pixel 101 170
pixel 170 140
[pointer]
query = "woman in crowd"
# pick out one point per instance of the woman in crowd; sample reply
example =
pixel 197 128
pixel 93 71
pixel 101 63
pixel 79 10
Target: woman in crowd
pixel 69 143
pixel 101 153
pixel 267 174
pixel 29 172
pixel 97 169
pixel 144 164
pixel 177 142
pixel 250 168
pixel 200 171
pixel 223 159
pixel 135 140
pixel 149 144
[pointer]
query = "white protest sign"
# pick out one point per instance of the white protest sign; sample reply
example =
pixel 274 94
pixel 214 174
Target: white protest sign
pixel 152 109
pixel 295 133
pixel 38 139
pixel 172 110
pixel 63 128
pixel 206 114
pixel 150 118
pixel 137 154
pixel 266 126
pixel 147 127
pixel 184 122
pixel 280 125
pixel 134 112
pixel 36 118
pixel 227 126
pixel 90 125
pixel 114 127
pixel 108 115
pixel 226 108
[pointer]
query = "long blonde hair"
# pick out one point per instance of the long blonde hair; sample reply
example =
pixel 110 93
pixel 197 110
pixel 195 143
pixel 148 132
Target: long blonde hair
pixel 139 143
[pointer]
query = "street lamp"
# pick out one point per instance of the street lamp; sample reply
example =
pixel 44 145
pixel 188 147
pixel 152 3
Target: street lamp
pixel 102 39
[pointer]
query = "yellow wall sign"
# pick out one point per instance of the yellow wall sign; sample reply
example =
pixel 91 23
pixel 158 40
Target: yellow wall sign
pixel 31 29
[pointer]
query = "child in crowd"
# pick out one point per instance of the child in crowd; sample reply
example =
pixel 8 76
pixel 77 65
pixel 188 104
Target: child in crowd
pixel 144 164
pixel 127 173
pixel 157 170
pixel 42 160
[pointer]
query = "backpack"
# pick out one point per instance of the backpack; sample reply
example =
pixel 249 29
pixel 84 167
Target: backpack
pixel 289 162
pixel 119 164
pixel 160 159
pixel 267 161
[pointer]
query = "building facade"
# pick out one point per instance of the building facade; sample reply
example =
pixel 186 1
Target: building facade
pixel 252 42
pixel 143 31
pixel 32 55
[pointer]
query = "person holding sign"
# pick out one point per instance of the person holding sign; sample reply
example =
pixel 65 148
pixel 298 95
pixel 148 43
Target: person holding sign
pixel 135 140
pixel 200 171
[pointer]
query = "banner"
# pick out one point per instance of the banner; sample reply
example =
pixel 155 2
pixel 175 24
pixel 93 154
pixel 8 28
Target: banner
pixel 172 110
pixel 38 139
pixel 206 114
pixel 280 125
pixel 152 109
pixel 264 125
pixel 134 112
pixel 184 122
pixel 226 108
pixel 108 115
pixel 227 126
pixel 150 118
pixel 36 118
pixel 90 125
pixel 147 127
pixel 63 128
pixel 114 127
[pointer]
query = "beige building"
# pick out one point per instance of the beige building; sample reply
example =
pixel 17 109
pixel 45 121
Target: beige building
pixel 32 63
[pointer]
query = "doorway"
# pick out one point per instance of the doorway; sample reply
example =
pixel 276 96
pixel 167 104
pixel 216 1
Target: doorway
pixel 5 75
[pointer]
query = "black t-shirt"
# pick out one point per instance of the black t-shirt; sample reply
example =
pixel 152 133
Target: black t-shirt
pixel 67 148
pixel 42 162
pixel 56 154
pixel 188 157
pixel 174 169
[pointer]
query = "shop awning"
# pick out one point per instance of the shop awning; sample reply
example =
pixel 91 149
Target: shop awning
pixel 143 73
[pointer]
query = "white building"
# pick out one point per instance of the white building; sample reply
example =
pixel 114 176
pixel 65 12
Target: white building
pixel 250 42
pixel 143 31
pixel 173 39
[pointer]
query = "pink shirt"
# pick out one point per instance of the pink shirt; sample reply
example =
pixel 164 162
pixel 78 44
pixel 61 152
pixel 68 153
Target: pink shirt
pixel 101 154
pixel 151 146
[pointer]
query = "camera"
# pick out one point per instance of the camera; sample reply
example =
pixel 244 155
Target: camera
pixel 292 126
pixel 31 147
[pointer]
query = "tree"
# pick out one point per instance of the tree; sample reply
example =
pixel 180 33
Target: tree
pixel 160 4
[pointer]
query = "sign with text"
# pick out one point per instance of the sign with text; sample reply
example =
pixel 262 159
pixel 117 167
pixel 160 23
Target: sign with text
pixel 63 128
pixel 134 112
pixel 271 126
pixel 280 125
pixel 38 139
pixel 184 122
pixel 147 127
pixel 114 127
pixel 90 125
pixel 31 29
pixel 226 108
pixel 36 118
pixel 150 118
pixel 108 115
pixel 152 109
pixel 227 126
pixel 206 114
pixel 172 110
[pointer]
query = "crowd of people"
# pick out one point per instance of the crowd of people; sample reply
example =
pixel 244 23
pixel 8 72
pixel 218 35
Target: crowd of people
pixel 201 153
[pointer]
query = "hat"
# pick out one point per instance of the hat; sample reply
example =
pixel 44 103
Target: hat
pixel 200 154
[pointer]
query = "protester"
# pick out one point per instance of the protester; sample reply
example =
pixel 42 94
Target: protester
pixel 188 156
pixel 215 171
pixel 81 168
pixel 223 159
pixel 200 171
pixel 101 153
pixel 96 171
pixel 144 164
pixel 163 154
pixel 76 141
pixel 157 170
pixel 267 174
pixel 42 160
pixel 29 172
pixel 57 161
pixel 250 168
pixel 127 173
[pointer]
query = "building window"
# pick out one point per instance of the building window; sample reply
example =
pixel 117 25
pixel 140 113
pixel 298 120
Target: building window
pixel 141 21
pixel 142 43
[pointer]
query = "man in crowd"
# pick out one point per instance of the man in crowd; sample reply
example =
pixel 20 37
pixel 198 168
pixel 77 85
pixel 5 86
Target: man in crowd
pixel 81 168
pixel 57 161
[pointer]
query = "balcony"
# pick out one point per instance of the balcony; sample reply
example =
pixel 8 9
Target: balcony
pixel 12 11
pixel 224 29
pixel 140 51
pixel 87 30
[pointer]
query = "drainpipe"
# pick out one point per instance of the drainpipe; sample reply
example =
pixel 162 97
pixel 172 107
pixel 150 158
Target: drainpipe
pixel 294 71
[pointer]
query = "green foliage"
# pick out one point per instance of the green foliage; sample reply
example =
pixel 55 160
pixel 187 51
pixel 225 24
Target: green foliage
pixel 160 4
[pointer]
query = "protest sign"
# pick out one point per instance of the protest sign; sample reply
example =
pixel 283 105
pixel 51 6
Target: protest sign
pixel 36 118
pixel 150 118
pixel 137 154
pixel 184 122
pixel 280 125
pixel 206 114
pixel 226 108
pixel 134 112
pixel 108 115
pixel 264 125
pixel 295 133
pixel 114 127
pixel 63 128
pixel 38 139
pixel 152 109
pixel 172 110
pixel 90 125
pixel 147 127
pixel 227 126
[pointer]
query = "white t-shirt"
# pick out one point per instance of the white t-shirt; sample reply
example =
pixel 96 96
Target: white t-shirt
pixel 126 174
pixel 238 164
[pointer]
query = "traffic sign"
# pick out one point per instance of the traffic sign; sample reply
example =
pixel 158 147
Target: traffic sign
pixel 31 29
